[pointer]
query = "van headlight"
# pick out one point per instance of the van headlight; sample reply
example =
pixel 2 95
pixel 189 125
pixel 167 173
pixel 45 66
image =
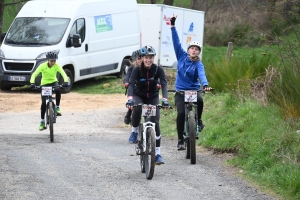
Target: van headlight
pixel 42 56
pixel 2 56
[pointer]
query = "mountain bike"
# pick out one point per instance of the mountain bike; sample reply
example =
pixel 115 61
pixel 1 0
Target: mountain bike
pixel 50 107
pixel 146 144
pixel 191 133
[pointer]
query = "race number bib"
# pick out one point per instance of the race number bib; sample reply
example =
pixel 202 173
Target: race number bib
pixel 190 96
pixel 46 91
pixel 149 110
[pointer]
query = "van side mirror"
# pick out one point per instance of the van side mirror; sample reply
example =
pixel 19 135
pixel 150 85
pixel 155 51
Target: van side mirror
pixel 74 41
pixel 3 36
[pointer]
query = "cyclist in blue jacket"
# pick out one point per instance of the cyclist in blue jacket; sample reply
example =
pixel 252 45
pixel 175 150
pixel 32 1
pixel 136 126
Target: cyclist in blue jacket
pixel 189 71
pixel 144 88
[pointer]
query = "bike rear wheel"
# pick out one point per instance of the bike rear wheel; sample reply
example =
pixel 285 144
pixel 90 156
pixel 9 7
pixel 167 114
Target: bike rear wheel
pixel 51 119
pixel 192 136
pixel 149 156
pixel 140 146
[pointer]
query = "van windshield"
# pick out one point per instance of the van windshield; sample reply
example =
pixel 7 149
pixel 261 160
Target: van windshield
pixel 36 31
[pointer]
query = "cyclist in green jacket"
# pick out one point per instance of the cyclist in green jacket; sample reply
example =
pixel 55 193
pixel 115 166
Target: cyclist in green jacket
pixel 49 70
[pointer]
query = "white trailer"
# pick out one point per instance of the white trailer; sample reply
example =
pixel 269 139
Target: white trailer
pixel 155 27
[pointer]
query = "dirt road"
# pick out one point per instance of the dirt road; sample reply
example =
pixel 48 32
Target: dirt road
pixel 92 159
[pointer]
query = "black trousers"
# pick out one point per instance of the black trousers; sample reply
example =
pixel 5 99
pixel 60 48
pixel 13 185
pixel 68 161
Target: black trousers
pixel 137 112
pixel 57 99
pixel 179 102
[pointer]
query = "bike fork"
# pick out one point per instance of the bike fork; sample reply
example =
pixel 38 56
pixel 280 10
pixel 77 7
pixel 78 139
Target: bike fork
pixel 145 127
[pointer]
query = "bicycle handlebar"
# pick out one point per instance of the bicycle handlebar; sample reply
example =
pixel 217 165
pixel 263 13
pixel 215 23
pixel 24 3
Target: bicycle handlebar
pixel 158 105
pixel 182 91
pixel 53 87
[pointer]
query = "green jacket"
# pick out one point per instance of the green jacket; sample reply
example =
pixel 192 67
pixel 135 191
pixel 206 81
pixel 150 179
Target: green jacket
pixel 48 74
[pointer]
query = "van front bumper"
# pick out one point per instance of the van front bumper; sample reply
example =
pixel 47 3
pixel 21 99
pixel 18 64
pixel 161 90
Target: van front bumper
pixel 15 77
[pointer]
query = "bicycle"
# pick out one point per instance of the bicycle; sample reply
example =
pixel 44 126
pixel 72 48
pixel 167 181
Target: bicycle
pixel 50 107
pixel 191 133
pixel 146 144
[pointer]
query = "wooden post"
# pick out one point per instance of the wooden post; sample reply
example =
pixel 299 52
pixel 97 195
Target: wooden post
pixel 229 50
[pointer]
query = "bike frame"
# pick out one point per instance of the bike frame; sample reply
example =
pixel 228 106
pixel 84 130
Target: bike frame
pixel 49 99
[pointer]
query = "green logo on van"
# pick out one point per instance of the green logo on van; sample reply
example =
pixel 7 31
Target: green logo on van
pixel 103 23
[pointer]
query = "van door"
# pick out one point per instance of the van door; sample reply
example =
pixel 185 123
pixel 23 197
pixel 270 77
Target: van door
pixel 80 56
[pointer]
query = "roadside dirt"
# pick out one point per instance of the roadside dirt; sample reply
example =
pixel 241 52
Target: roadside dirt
pixel 20 101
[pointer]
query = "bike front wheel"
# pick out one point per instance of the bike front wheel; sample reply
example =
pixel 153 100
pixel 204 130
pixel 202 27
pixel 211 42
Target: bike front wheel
pixel 51 120
pixel 149 156
pixel 140 146
pixel 192 137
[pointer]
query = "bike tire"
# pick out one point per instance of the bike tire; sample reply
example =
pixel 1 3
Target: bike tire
pixel 187 149
pixel 149 156
pixel 140 140
pixel 51 119
pixel 192 136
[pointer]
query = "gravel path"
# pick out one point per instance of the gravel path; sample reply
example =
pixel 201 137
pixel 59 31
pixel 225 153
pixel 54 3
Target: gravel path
pixel 91 159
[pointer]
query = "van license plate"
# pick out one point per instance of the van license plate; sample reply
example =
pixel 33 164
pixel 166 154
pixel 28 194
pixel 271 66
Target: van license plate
pixel 17 78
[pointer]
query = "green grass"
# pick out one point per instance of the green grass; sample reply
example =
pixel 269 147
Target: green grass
pixel 100 85
pixel 266 147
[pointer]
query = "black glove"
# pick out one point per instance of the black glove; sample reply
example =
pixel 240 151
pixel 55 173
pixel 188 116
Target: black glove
pixel 173 19
pixel 130 102
pixel 66 84
pixel 165 103
pixel 32 86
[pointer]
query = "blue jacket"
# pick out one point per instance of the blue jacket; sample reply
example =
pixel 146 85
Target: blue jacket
pixel 188 72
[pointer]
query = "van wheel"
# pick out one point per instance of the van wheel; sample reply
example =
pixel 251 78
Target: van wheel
pixel 61 81
pixel 5 87
pixel 125 63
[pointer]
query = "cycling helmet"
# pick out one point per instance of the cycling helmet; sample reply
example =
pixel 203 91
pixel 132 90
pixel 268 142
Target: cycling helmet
pixel 147 51
pixel 194 44
pixel 52 55
pixel 135 55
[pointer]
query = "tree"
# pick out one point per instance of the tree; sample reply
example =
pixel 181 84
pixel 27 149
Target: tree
pixel 2 5
pixel 152 1
pixel 169 2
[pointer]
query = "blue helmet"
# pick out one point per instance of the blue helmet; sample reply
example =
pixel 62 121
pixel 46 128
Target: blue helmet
pixel 147 51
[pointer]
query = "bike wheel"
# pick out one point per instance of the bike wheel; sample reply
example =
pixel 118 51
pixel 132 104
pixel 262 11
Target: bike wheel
pixel 192 137
pixel 187 148
pixel 149 156
pixel 51 119
pixel 140 145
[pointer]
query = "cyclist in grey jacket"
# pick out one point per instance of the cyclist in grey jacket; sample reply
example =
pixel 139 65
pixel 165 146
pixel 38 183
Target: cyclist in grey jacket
pixel 189 71
pixel 135 60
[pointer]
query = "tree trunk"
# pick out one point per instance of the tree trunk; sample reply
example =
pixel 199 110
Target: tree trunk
pixel 169 2
pixel 1 14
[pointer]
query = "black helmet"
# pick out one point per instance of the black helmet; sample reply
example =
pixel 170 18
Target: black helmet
pixel 52 55
pixel 147 51
pixel 136 54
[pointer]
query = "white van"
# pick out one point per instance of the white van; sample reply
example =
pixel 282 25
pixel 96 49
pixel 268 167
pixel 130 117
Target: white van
pixel 93 37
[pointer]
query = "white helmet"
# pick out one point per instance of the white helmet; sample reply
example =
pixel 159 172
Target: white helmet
pixel 194 44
